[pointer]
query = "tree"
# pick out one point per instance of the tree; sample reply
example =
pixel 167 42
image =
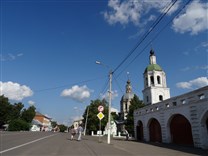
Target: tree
pixel 62 128
pixel 15 111
pixel 5 108
pixel 93 121
pixel 135 104
pixel 53 124
pixel 18 125
pixel 13 114
pixel 28 114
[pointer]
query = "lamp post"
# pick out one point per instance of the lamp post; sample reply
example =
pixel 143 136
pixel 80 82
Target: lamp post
pixel 109 105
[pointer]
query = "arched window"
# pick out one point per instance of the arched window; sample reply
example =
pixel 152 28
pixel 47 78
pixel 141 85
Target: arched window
pixel 158 80
pixel 126 107
pixel 147 98
pixel 146 81
pixel 161 98
pixel 152 80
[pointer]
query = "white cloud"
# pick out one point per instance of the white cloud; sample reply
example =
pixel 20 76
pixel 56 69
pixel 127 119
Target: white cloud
pixel 10 57
pixel 15 91
pixel 196 83
pixel 31 103
pixel 193 20
pixel 205 67
pixel 77 93
pixel 106 95
pixel 131 11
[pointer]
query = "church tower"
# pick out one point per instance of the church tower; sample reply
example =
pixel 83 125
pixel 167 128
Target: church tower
pixel 126 100
pixel 155 87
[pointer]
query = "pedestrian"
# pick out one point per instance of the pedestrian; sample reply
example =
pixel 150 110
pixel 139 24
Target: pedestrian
pixel 73 132
pixel 126 133
pixel 80 130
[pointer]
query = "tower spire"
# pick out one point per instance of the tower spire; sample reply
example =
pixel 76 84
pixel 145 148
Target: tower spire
pixel 152 57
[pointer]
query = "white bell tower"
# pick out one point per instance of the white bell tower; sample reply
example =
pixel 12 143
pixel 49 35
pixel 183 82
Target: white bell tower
pixel 155 87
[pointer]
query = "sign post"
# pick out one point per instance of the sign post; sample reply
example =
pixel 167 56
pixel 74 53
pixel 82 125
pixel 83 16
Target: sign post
pixel 100 115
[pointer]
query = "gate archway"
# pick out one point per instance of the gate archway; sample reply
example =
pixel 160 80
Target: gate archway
pixel 140 134
pixel 155 131
pixel 180 130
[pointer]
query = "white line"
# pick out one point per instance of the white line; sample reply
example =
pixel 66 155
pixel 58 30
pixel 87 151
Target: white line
pixel 26 144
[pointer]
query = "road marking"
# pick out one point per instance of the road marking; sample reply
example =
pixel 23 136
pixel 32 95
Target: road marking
pixel 26 144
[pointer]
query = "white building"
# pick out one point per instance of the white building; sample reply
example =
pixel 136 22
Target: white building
pixel 181 120
pixel 126 101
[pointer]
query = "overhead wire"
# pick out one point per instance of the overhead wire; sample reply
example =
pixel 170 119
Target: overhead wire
pixel 147 45
pixel 157 21
pixel 66 85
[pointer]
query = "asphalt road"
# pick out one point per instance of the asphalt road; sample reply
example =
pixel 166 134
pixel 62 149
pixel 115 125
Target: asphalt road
pixel 59 144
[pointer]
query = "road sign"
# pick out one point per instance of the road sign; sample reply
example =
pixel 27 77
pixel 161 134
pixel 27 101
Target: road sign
pixel 100 108
pixel 100 115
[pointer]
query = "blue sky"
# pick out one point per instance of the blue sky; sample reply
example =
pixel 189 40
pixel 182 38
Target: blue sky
pixel 49 49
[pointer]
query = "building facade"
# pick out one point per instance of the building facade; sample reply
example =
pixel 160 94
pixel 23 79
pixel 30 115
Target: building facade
pixel 181 120
pixel 44 120
pixel 155 86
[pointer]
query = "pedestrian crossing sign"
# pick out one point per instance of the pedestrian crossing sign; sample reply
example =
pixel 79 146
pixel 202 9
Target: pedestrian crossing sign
pixel 100 115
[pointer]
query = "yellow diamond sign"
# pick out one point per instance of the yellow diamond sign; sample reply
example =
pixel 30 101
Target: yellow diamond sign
pixel 100 115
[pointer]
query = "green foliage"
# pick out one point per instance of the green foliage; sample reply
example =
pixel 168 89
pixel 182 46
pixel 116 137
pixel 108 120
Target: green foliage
pixel 28 114
pixel 18 125
pixel 13 114
pixel 135 104
pixel 62 128
pixel 53 124
pixel 114 116
pixel 93 121
pixel 5 108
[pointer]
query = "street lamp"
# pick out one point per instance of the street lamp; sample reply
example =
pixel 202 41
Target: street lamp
pixel 109 106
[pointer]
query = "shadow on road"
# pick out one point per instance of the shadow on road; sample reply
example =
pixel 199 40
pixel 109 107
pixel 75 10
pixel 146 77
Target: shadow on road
pixel 182 148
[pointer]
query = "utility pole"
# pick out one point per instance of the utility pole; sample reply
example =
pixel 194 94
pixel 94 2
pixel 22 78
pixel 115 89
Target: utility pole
pixel 110 98
pixel 86 120
pixel 109 106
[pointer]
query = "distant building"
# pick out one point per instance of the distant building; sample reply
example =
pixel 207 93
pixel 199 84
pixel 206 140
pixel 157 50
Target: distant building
pixel 181 120
pixel 124 107
pixel 126 101
pixel 42 121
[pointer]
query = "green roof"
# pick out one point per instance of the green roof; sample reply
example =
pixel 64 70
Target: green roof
pixel 152 67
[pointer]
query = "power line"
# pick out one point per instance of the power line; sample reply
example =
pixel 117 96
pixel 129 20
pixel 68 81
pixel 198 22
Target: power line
pixel 66 85
pixel 157 21
pixel 147 45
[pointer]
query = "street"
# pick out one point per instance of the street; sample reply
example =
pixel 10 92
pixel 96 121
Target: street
pixel 59 144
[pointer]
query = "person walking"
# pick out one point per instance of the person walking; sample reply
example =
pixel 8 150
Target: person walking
pixel 80 130
pixel 73 132
pixel 126 133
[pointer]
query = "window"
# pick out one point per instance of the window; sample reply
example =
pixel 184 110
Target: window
pixel 147 99
pixel 161 98
pixel 152 80
pixel 201 96
pixel 126 107
pixel 158 80
pixel 174 103
pixel 146 81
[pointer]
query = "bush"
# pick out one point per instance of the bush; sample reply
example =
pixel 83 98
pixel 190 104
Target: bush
pixel 18 125
pixel 62 128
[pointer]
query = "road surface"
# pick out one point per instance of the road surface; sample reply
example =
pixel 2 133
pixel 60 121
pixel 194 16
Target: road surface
pixel 59 144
